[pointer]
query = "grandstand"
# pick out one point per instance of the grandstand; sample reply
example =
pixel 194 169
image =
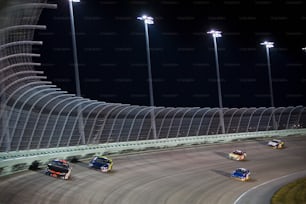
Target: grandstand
pixel 37 114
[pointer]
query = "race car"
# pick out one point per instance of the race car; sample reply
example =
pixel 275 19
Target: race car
pixel 101 163
pixel 237 155
pixel 276 144
pixel 59 168
pixel 241 174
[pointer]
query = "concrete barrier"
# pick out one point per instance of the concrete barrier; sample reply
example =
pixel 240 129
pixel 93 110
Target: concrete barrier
pixel 16 161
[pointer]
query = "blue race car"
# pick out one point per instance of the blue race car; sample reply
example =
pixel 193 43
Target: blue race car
pixel 241 174
pixel 102 163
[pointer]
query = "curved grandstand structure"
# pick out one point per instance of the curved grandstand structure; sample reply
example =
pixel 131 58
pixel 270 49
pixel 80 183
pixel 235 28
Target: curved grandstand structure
pixel 36 114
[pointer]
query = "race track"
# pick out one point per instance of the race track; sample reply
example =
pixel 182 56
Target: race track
pixel 193 175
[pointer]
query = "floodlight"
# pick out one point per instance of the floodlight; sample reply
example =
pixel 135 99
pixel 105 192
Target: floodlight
pixel 268 44
pixel 146 19
pixel 215 33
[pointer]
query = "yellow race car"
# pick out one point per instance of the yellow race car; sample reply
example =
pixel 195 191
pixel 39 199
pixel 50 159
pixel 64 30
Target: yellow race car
pixel 237 155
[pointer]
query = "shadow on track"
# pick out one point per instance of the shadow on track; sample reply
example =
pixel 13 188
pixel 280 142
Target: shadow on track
pixel 222 173
pixel 222 154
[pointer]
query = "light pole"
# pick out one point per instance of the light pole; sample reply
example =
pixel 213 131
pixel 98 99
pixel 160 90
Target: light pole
pixel 75 54
pixel 76 68
pixel 216 34
pixel 269 45
pixel 149 20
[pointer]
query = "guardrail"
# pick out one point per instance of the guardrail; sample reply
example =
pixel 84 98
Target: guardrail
pixel 17 161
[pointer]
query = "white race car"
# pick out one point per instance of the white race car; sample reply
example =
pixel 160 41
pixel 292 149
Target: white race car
pixel 276 144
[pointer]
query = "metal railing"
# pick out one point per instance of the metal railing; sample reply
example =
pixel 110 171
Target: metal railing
pixel 35 114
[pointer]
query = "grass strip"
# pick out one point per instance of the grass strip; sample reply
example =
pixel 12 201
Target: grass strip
pixel 292 193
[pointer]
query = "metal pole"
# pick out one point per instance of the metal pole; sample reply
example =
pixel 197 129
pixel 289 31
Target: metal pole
pixel 5 129
pixel 76 72
pixel 271 88
pixel 270 77
pixel 153 124
pixel 268 46
pixel 219 87
pixel 75 55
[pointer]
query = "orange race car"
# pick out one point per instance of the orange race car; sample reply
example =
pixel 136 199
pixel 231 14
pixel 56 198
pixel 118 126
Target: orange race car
pixel 237 155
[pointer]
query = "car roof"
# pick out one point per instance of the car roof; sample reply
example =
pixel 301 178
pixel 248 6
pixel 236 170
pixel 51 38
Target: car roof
pixel 60 160
pixel 101 157
pixel 276 140
pixel 238 151
pixel 241 169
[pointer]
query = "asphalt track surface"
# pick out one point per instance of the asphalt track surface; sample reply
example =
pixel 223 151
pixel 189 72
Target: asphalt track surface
pixel 194 175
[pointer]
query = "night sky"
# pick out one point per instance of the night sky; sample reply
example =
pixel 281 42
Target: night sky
pixel 113 62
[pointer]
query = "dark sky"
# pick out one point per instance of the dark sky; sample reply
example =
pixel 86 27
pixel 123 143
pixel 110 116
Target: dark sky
pixel 112 51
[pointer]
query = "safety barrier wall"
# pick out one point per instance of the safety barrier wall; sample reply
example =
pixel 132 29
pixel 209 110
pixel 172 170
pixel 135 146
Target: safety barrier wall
pixel 17 161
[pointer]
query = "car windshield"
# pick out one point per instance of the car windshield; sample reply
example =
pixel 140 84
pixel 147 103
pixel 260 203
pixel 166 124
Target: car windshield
pixel 102 160
pixel 277 141
pixel 238 152
pixel 59 163
pixel 241 171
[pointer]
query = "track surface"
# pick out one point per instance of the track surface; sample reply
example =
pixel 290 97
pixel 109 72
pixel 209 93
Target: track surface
pixel 195 175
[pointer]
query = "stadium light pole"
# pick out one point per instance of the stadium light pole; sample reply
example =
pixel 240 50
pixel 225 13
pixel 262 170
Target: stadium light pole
pixel 76 68
pixel 269 45
pixel 75 54
pixel 217 34
pixel 148 20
